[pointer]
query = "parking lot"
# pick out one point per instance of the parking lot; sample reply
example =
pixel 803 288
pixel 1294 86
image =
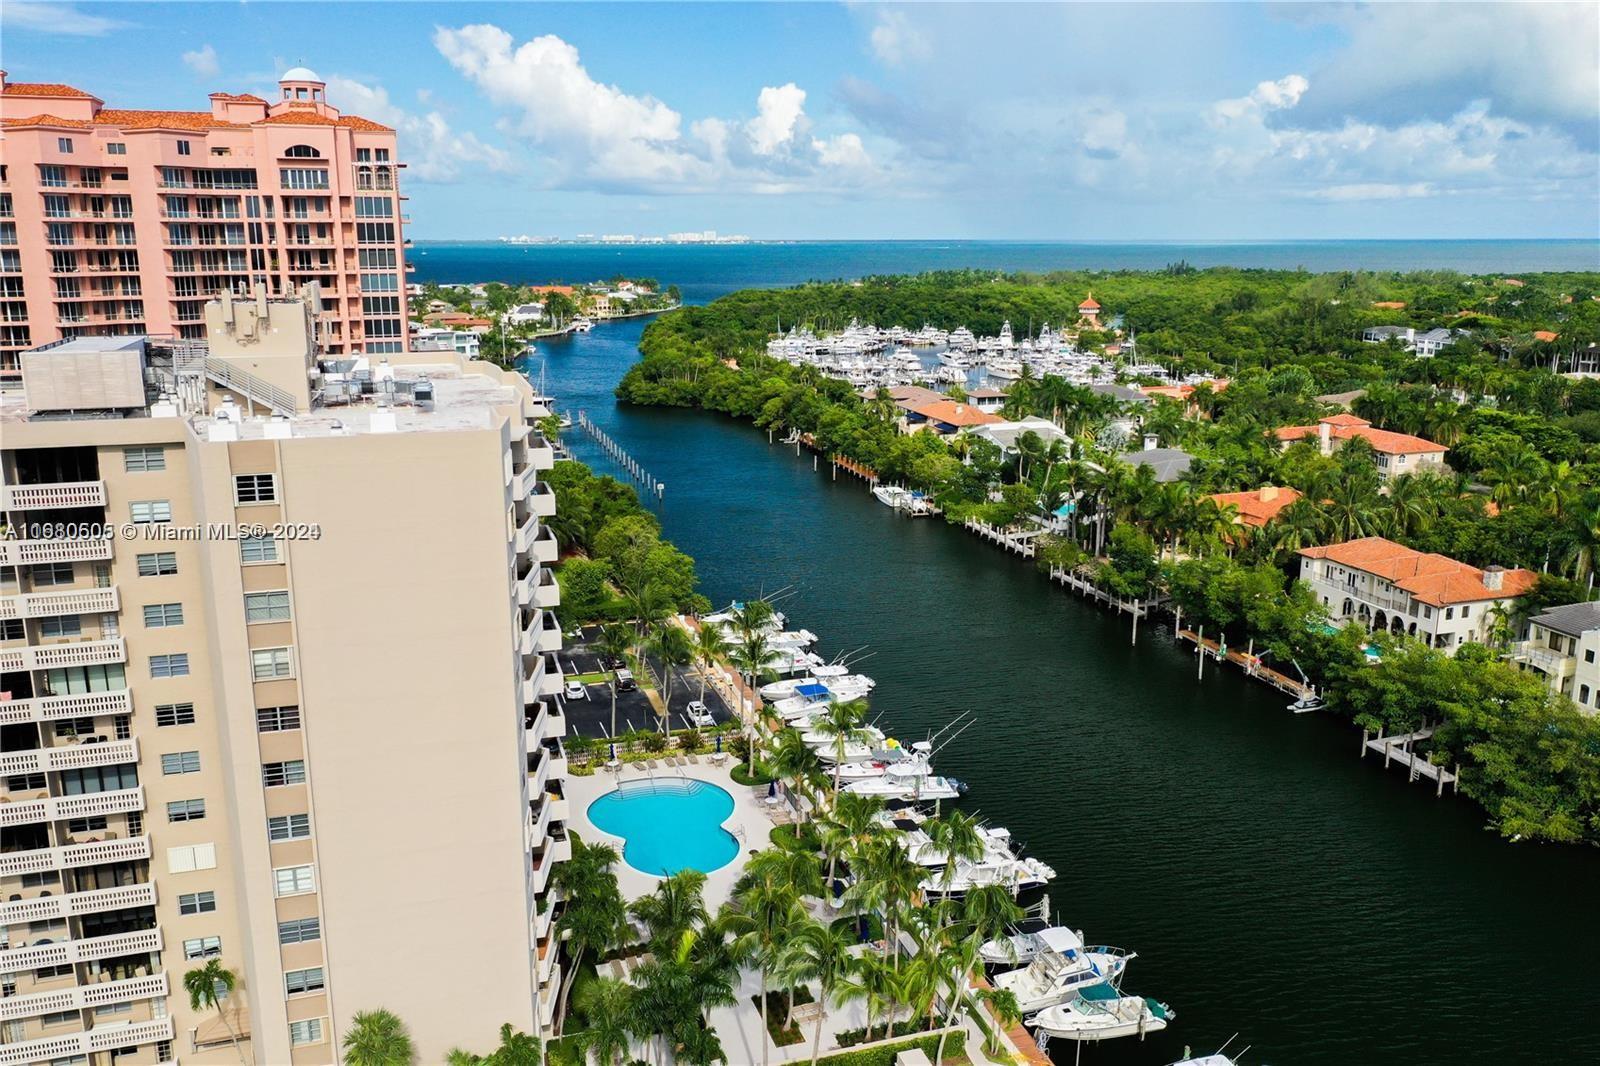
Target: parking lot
pixel 591 716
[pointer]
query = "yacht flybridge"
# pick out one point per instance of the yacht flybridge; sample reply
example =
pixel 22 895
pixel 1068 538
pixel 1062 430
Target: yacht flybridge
pixel 1060 973
pixel 1103 1013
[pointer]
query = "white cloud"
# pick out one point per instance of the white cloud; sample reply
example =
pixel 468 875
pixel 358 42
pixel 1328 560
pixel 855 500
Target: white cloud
pixel 598 136
pixel 1266 96
pixel 1372 190
pixel 779 111
pixel 203 62
pixel 63 19
pixel 896 41
pixel 433 150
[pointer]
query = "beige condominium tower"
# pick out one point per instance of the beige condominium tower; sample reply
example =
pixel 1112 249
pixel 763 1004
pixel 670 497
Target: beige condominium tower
pixel 277 689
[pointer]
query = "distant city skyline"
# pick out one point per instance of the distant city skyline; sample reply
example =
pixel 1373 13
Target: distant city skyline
pixel 826 121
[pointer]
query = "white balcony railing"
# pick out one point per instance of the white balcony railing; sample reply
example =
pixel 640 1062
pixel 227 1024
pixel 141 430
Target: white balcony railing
pixel 72 856
pixel 542 501
pixel 87 805
pixel 70 757
pixel 548 638
pixel 105 1037
pixel 77 705
pixel 526 532
pixel 545 547
pixel 555 725
pixel 83 997
pixel 533 681
pixel 55 496
pixel 25 552
pixel 54 604
pixel 95 901
pixel 67 952
pixel 547 594
pixel 74 653
pixel 541 455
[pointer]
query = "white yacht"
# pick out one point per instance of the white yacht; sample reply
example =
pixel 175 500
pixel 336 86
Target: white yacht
pixel 823 743
pixel 1020 877
pixel 582 324
pixel 1026 940
pixel 1059 974
pixel 891 496
pixel 961 337
pixel 955 357
pixel 914 784
pixel 1103 1014
pixel 846 686
pixel 1003 368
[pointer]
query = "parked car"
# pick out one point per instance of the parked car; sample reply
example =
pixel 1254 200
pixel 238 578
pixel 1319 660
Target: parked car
pixel 577 690
pixel 625 681
pixel 699 714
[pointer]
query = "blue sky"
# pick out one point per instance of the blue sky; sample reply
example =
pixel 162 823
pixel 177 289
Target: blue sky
pixel 1081 122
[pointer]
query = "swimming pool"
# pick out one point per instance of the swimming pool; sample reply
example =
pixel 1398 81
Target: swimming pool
pixel 668 825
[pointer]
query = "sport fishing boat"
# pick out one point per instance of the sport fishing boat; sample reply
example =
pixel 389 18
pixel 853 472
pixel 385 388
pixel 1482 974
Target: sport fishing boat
pixel 1020 877
pixel 582 325
pixel 1103 1013
pixel 843 685
pixel 914 784
pixel 1061 972
pixel 891 496
pixel 823 743
pixel 1026 940
pixel 1003 368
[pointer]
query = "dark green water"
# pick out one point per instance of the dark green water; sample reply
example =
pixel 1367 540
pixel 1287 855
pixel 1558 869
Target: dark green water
pixel 1274 885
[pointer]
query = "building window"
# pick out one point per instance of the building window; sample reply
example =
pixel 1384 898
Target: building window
pixel 86 825
pixel 303 178
pixel 266 606
pixel 277 719
pixel 183 147
pixel 174 714
pixel 295 981
pixel 163 615
pixel 306 1032
pixel 197 903
pixel 116 148
pixel 300 930
pixel 254 488
pixel 151 511
pixel 268 663
pixel 180 762
pixel 64 144
pixel 170 665
pixel 158 564
pixel 66 625
pixel 294 880
pixel 288 827
pixel 1583 694
pixel 144 460
pixel 45 575
pixel 1588 655
pixel 301 151
pixel 12 629
pixel 202 947
pixel 194 857
pixel 258 550
pixel 274 774
pixel 186 810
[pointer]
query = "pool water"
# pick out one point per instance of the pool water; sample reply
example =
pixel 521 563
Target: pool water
pixel 668 825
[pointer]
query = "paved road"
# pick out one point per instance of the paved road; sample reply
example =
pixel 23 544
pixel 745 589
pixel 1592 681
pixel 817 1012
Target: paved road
pixel 591 717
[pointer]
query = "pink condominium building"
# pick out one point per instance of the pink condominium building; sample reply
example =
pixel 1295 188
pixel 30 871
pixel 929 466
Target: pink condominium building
pixel 116 221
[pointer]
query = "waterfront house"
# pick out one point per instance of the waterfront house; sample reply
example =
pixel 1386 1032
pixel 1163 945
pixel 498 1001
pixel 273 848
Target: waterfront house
pixel 1379 584
pixel 1563 646
pixel 525 314
pixel 987 400
pixel 1121 393
pixel 1169 464
pixel 1004 435
pixel 1424 344
pixel 947 417
pixel 1256 507
pixel 1397 453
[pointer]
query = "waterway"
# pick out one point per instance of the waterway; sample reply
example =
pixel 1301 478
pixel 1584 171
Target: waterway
pixel 1275 886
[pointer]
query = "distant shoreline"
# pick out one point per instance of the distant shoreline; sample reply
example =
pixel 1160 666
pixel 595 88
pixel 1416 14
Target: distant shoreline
pixel 1028 242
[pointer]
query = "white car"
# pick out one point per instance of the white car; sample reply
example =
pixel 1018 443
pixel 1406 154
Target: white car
pixel 699 714
pixel 576 691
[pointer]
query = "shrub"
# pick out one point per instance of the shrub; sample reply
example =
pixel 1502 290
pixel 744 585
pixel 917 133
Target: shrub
pixel 655 742
pixel 954 1048
pixel 690 739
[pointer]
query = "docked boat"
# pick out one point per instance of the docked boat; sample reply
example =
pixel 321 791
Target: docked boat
pixel 1003 368
pixel 582 324
pixel 824 744
pixel 913 784
pixel 961 337
pixel 844 686
pixel 1307 703
pixel 1020 877
pixel 1062 972
pixel 892 496
pixel 1027 940
pixel 1103 1013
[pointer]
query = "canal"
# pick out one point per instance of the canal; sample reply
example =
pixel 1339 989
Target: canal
pixel 1274 885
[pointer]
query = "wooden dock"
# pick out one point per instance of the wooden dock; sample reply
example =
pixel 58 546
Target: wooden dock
pixel 1012 540
pixel 1251 664
pixel 838 462
pixel 1399 748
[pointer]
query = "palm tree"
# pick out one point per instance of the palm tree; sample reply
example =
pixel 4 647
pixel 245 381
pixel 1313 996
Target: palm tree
pixel 818 952
pixel 765 911
pixel 607 1004
pixel 377 1038
pixel 750 659
pixel 615 640
pixel 843 723
pixel 849 823
pixel 956 835
pixel 671 645
pixel 596 917
pixel 649 608
pixel 675 907
pixel 709 649
pixel 792 759
pixel 516 1049
pixel 209 986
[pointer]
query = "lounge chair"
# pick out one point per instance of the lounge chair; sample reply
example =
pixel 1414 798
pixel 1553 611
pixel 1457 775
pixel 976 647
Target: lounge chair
pixel 650 764
pixel 694 760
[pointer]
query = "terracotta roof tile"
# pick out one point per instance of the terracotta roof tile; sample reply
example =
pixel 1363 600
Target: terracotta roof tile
pixel 297 117
pixel 952 413
pixel 45 120
pixel 1259 506
pixel 140 119
pixel 1390 305
pixel 46 88
pixel 1437 580
pixel 1348 427
pixel 239 98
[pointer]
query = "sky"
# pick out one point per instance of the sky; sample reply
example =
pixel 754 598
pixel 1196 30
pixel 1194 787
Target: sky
pixel 1092 122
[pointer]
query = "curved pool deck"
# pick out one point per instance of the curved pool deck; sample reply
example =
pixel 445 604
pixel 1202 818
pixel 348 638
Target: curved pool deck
pixel 747 822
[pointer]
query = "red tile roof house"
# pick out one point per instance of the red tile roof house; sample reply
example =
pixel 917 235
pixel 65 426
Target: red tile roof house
pixel 947 417
pixel 1398 453
pixel 1258 506
pixel 1384 585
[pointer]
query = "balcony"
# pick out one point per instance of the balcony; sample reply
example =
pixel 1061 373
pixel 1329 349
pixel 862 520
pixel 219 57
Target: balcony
pixel 558 759
pixel 1553 664
pixel 526 586
pixel 523 479
pixel 548 639
pixel 539 451
pixel 554 679
pixel 62 494
pixel 538 774
pixel 67 952
pixel 27 552
pixel 534 723
pixel 555 725
pixel 55 604
pixel 542 500
pixel 78 705
pixel 547 998
pixel 548 592
pixel 104 1037
pixel 53 656
pixel 86 805
pixel 528 638
pixel 533 681
pixel 51 908
pixel 72 856
pixel 523 541
pixel 545 548
pixel 70 757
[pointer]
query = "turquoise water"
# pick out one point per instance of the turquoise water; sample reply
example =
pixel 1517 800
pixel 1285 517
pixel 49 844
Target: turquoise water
pixel 668 825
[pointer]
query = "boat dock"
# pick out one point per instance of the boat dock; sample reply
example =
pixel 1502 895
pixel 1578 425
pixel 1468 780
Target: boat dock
pixel 1251 664
pixel 654 490
pixel 1399 749
pixel 1012 540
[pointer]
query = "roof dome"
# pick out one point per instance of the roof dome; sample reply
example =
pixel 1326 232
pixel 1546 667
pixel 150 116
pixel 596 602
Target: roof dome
pixel 299 74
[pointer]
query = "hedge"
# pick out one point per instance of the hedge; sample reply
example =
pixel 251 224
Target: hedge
pixel 883 1054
